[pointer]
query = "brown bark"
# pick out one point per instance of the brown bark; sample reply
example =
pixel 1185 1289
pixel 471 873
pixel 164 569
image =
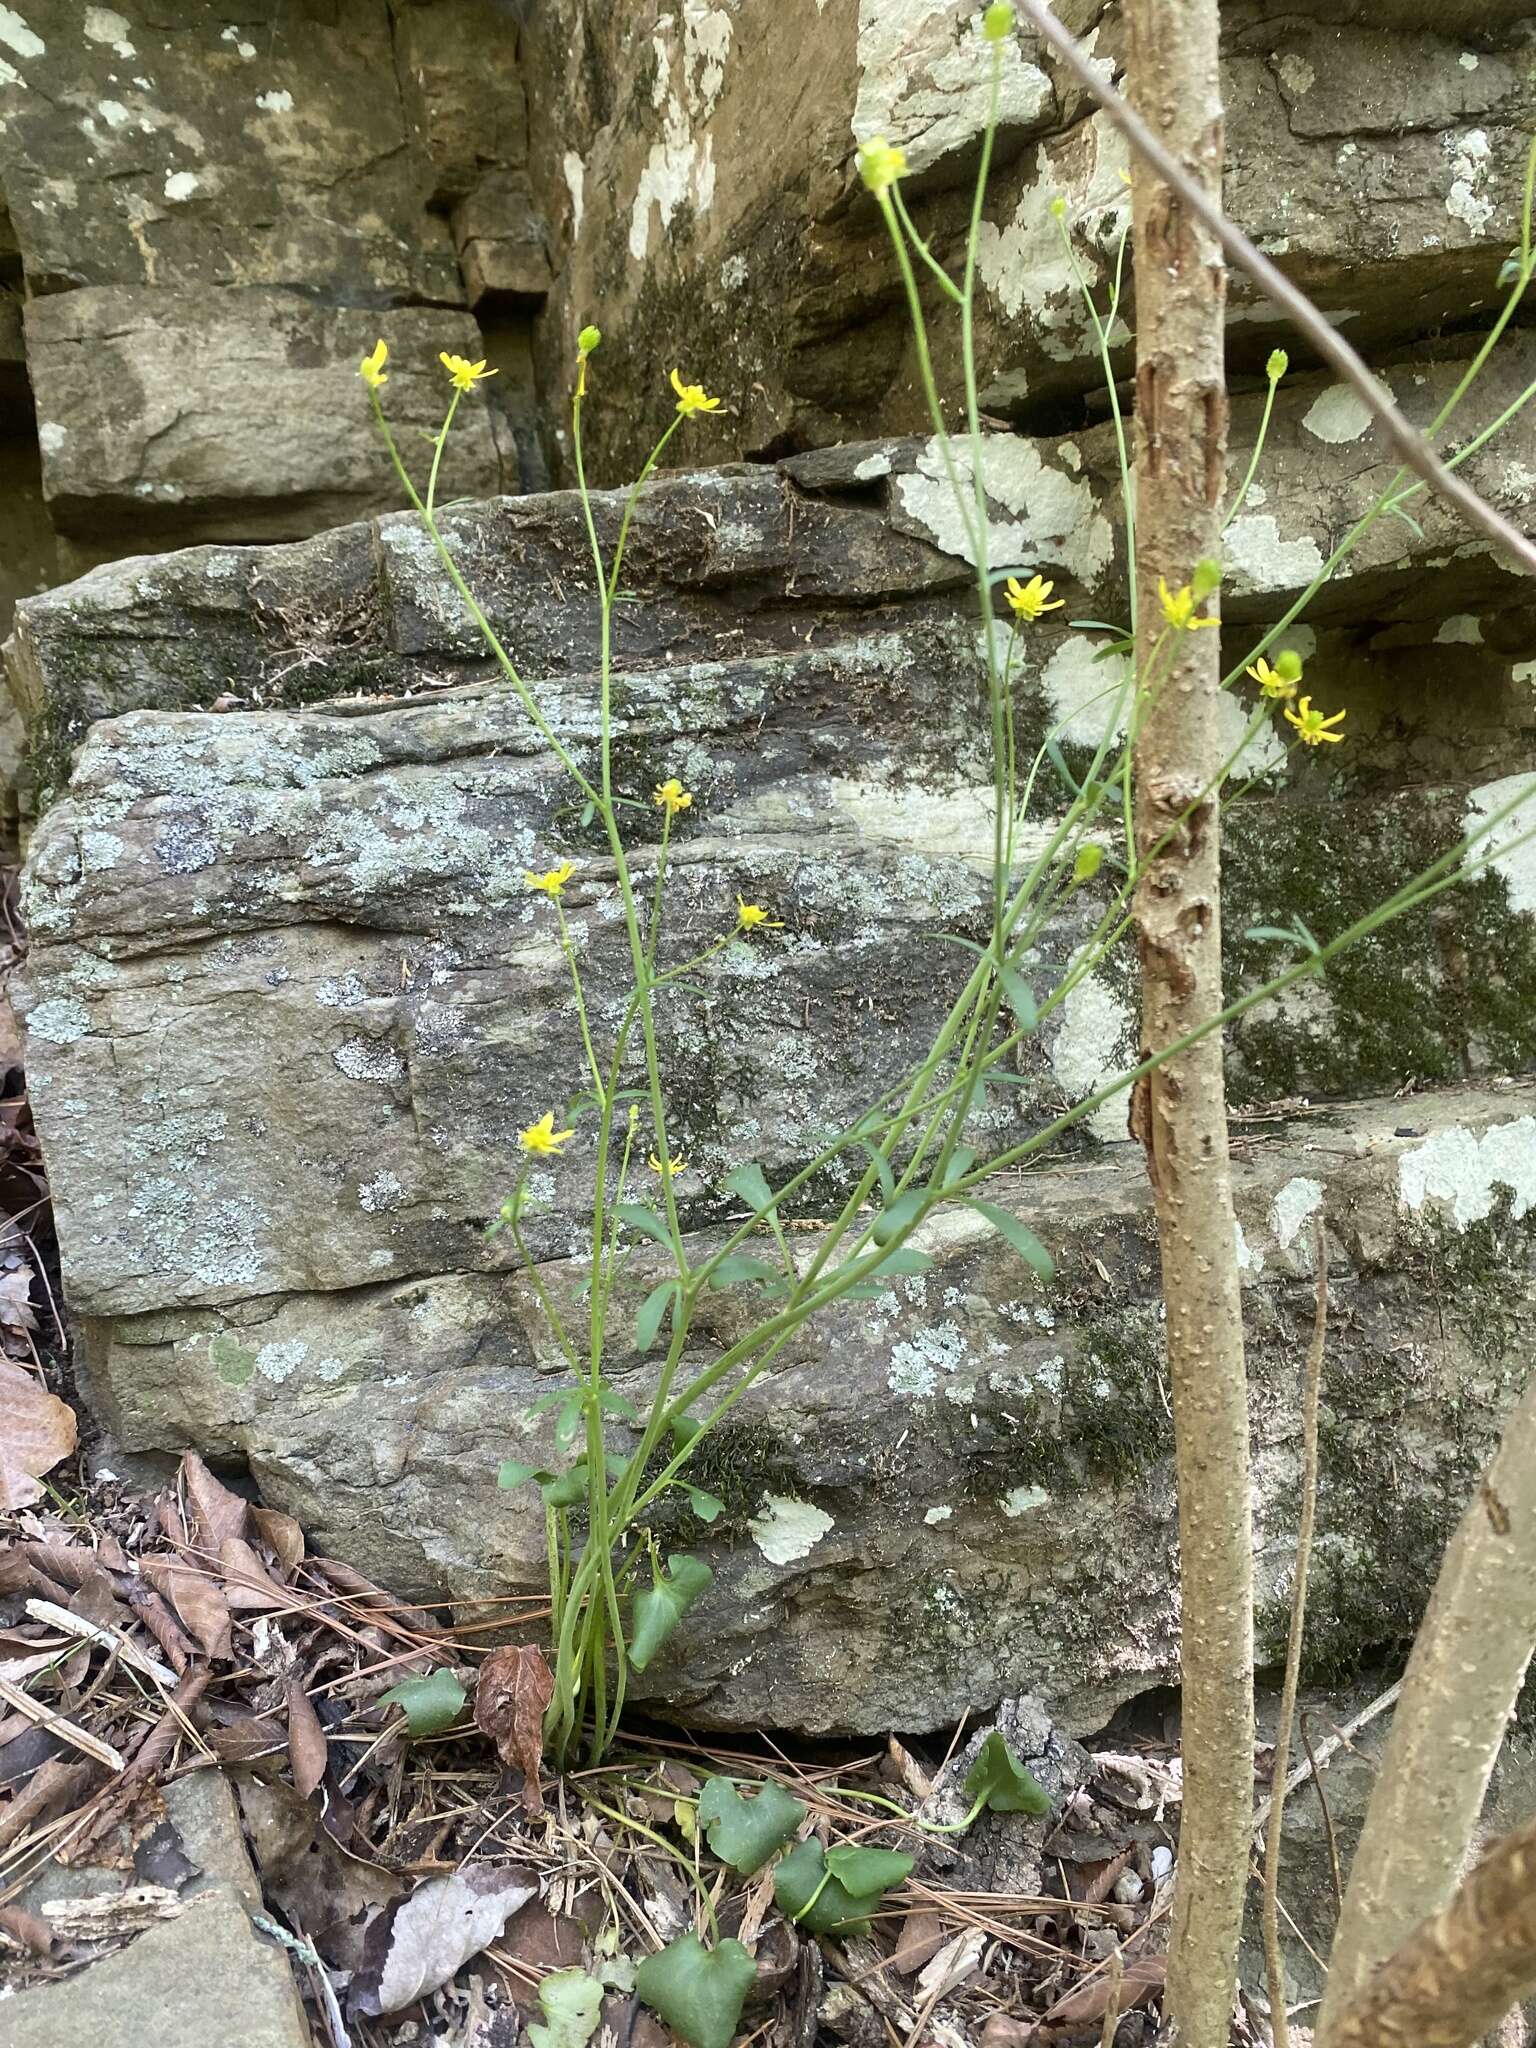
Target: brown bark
pixel 1460 1972
pixel 1468 1661
pixel 1180 1111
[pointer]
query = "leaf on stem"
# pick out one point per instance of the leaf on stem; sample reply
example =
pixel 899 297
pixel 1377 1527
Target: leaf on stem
pixel 899 1215
pixel 430 1704
pixel 808 1889
pixel 751 1183
pixel 1018 1234
pixel 704 1505
pixel 653 1313
pixel 1000 1782
pixel 638 1217
pixel 745 1833
pixel 901 1262
pixel 658 1611
pixel 699 1992
pixel 1021 997
pixel 739 1266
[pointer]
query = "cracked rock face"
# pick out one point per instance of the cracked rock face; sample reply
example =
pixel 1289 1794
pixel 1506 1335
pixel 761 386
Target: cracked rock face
pixel 290 1001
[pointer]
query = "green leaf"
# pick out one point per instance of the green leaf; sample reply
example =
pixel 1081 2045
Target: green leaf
pixel 613 1403
pixel 751 1184
pixel 866 1873
pixel 431 1704
pixel 960 1162
pixel 1021 997
pixel 899 1215
pixel 739 1266
pixel 699 1992
pixel 573 2004
pixel 653 1312
pixel 588 810
pixel 743 1832
pixel 569 1489
pixel 903 1260
pixel 811 1894
pixel 883 1168
pixel 638 1217
pixel 1019 1235
pixel 684 1429
pixel 511 1473
pixel 704 1505
pixel 658 1611
pixel 1408 520
pixel 1000 1781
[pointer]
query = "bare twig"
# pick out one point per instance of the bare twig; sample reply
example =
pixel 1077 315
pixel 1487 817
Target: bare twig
pixel 1312 1380
pixel 56 1724
pixel 108 1638
pixel 1335 1869
pixel 1411 445
pixel 1325 1751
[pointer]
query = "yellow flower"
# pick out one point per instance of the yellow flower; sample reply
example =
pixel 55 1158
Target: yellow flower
pixel 751 917
pixel 671 797
pixel 1312 729
pixel 466 375
pixel 1271 681
pixel 371 368
pixel 1179 608
pixel 542 1138
pixel 672 1168
pixel 691 398
pixel 553 883
pixel 1028 600
pixel 880 165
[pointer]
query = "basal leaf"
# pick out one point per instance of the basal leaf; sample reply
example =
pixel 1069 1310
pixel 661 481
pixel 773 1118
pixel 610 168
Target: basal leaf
pixel 814 1897
pixel 866 1873
pixel 699 1992
pixel 1000 1781
pixel 510 1473
pixel 658 1611
pixel 745 1832
pixel 1019 1235
pixel 430 1704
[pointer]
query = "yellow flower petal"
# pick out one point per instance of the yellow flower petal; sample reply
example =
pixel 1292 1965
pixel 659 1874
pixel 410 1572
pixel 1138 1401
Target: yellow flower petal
pixel 751 917
pixel 465 374
pixel 542 1139
pixel 692 398
pixel 671 797
pixel 371 368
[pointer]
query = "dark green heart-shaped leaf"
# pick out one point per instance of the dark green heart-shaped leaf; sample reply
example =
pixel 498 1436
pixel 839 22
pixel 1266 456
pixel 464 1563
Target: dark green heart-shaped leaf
pixel 998 1780
pixel 815 1898
pixel 1019 1235
pixel 866 1873
pixel 745 1832
pixel 699 1992
pixel 658 1611
pixel 431 1704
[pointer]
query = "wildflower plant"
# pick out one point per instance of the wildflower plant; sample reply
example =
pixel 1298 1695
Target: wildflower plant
pixel 615 1595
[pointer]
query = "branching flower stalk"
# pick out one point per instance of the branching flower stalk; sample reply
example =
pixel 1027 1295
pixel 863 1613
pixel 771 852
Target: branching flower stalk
pixel 614 1596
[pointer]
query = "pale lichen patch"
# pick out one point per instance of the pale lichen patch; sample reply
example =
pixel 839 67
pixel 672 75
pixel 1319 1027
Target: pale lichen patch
pixel 786 1530
pixel 1465 1170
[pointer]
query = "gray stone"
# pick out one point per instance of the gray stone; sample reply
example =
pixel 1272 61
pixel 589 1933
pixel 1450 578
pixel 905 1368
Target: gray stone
pixel 960 1491
pixel 180 1984
pixel 270 438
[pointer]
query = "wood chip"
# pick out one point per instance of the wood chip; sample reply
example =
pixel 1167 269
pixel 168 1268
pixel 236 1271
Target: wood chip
pixel 96 1916
pixel 109 1638
pixel 88 1745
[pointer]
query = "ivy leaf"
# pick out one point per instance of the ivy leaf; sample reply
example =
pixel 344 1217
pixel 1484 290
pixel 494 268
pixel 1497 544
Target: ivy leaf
pixel 699 1992
pixel 999 1781
pixel 658 1611
pixel 811 1894
pixel 866 1873
pixel 704 1505
pixel 653 1312
pixel 1019 1235
pixel 638 1217
pixel 751 1183
pixel 430 1704
pixel 745 1833
pixel 573 2004
pixel 510 1473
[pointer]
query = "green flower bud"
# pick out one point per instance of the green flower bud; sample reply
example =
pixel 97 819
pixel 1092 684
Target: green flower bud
pixel 1288 666
pixel 1059 207
pixel 997 22
pixel 588 339
pixel 1205 579
pixel 1279 362
pixel 880 165
pixel 1089 860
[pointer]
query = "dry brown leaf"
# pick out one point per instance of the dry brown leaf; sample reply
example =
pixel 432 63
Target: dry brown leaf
pixel 15 1298
pixel 1143 1977
pixel 514 1687
pixel 26 1929
pixel 1002 2030
pixel 921 1938
pixel 37 1429
pixel 282 1536
pixel 216 1512
pixel 421 1943
pixel 200 1605
pixel 54 1787
pixel 307 1751
pixel 248 1586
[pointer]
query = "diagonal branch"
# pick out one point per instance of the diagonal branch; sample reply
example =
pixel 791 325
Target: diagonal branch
pixel 1459 1973
pixel 1411 445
